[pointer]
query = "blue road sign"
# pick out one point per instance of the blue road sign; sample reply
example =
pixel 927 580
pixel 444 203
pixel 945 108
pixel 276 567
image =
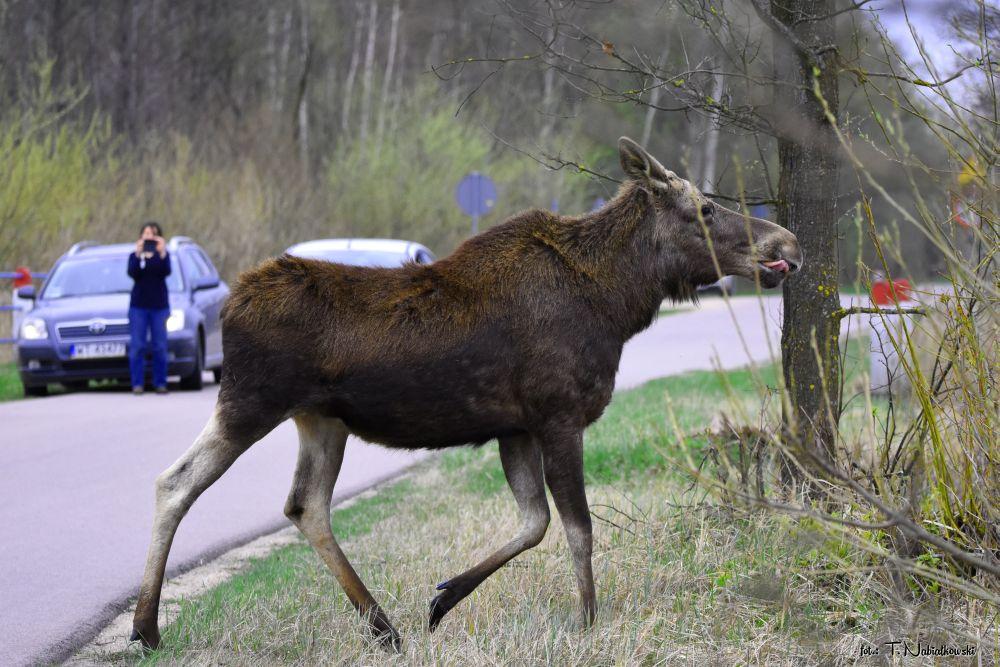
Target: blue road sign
pixel 476 194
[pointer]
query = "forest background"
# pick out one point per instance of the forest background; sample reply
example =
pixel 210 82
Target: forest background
pixel 250 125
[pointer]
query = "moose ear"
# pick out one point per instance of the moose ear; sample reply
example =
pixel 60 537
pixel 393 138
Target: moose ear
pixel 639 164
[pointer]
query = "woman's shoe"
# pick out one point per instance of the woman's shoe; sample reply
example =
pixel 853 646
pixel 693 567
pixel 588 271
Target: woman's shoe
pixel 137 391
pixel 161 390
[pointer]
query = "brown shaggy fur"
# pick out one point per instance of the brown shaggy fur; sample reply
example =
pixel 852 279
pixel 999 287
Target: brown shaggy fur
pixel 534 292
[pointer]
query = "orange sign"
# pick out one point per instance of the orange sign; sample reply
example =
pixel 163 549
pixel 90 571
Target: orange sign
pixel 885 293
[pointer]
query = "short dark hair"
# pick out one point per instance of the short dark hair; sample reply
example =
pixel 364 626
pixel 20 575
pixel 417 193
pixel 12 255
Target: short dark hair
pixel 155 225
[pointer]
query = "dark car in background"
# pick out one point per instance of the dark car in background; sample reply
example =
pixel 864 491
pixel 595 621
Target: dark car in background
pixel 77 329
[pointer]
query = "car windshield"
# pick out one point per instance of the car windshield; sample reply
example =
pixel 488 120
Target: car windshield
pixel 357 257
pixel 97 275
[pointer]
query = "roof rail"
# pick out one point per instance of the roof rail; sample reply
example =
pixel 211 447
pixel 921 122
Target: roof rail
pixel 77 247
pixel 178 240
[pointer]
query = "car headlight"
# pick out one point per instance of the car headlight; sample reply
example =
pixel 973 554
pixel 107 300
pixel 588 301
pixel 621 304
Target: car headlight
pixel 33 328
pixel 176 320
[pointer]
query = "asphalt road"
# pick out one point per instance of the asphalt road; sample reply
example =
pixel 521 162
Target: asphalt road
pixel 77 472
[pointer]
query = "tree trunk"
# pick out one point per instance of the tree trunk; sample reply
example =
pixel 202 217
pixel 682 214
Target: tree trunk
pixel 366 81
pixel 272 57
pixel 57 26
pixel 121 80
pixel 711 152
pixel 807 194
pixel 654 96
pixel 352 70
pixel 303 97
pixel 286 47
pixel 383 107
pixel 549 93
pixel 396 93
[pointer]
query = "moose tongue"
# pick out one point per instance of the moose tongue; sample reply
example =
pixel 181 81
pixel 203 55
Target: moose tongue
pixel 777 265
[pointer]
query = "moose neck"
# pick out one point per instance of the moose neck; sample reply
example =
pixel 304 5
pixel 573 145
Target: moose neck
pixel 618 246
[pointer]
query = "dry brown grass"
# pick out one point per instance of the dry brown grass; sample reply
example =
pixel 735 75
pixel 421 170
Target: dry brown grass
pixel 677 586
pixel 680 580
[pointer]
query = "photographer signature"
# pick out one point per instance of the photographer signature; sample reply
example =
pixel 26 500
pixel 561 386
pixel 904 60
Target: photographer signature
pixel 919 648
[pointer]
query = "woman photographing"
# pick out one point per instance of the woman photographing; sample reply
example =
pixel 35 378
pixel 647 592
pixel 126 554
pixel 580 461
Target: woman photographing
pixel 149 308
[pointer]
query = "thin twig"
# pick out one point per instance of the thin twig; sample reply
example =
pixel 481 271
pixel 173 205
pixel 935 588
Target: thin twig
pixel 841 313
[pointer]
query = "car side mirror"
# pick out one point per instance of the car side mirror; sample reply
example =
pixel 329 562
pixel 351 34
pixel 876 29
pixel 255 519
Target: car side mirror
pixel 204 282
pixel 26 292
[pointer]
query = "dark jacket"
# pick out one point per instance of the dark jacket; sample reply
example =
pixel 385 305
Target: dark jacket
pixel 150 289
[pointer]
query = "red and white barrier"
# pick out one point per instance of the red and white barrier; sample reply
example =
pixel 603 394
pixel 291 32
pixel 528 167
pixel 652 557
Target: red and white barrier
pixel 886 334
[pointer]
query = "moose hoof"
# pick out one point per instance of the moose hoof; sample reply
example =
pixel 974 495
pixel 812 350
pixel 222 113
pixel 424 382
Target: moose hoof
pixel 389 639
pixel 443 603
pixel 384 632
pixel 150 638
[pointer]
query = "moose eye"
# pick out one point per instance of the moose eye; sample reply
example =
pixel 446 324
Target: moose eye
pixel 707 210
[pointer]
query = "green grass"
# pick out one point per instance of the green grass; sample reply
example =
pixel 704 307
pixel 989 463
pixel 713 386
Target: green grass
pixel 10 382
pixel 11 388
pixel 629 438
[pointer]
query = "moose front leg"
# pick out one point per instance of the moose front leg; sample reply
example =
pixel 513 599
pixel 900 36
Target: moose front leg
pixel 522 464
pixel 176 490
pixel 563 460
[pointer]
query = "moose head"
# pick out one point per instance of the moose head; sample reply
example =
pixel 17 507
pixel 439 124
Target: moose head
pixel 700 239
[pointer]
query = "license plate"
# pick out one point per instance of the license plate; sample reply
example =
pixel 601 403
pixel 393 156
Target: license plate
pixel 96 350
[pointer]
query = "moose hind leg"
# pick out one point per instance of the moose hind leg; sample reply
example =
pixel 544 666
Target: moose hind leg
pixel 321 452
pixel 176 490
pixel 563 460
pixel 522 464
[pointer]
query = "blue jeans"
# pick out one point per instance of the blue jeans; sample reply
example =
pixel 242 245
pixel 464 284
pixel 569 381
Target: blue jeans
pixel 148 328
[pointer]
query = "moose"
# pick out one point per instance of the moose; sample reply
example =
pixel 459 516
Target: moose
pixel 515 336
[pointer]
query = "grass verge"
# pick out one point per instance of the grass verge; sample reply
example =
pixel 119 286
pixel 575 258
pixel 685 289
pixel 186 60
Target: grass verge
pixel 10 382
pixel 679 580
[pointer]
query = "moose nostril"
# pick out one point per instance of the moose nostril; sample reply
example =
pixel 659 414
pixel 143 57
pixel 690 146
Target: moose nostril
pixel 794 256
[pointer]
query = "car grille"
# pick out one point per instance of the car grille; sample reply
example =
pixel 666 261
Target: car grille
pixel 112 364
pixel 88 330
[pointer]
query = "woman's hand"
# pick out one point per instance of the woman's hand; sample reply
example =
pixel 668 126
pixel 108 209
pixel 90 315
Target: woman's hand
pixel 161 246
pixel 138 248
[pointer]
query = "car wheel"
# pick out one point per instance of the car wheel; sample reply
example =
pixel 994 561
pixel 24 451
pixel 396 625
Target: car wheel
pixel 36 390
pixel 217 374
pixel 193 380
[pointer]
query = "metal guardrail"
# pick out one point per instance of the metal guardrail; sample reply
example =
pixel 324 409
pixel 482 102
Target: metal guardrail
pixel 7 307
pixel 14 275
